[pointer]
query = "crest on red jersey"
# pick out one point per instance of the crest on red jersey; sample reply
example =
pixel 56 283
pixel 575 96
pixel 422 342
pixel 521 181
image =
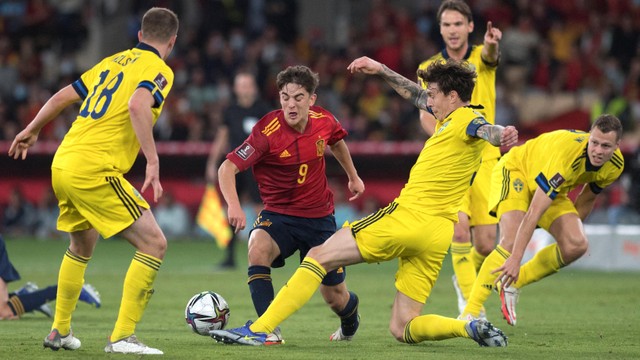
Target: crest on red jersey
pixel 320 145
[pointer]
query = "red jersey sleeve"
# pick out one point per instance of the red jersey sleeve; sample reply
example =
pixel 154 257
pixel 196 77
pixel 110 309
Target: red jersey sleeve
pixel 251 150
pixel 339 132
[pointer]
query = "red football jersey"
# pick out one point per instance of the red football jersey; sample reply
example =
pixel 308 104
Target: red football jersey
pixel 289 167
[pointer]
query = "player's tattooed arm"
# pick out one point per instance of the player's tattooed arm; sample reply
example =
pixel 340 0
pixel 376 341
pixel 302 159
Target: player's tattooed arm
pixel 491 133
pixel 498 135
pixel 405 87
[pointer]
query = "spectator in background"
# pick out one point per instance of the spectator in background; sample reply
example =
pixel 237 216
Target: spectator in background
pixel 519 43
pixel 612 102
pixel 47 216
pixel 172 216
pixel 238 121
pixel 634 191
pixel 625 40
pixel 19 215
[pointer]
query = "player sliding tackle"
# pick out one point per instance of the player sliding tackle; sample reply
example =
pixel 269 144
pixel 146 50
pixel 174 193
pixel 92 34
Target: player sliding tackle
pixel 417 227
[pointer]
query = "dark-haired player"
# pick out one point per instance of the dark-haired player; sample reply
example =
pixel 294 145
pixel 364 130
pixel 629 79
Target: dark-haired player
pixel 286 151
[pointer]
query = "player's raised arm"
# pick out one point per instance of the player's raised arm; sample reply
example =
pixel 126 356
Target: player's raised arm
pixel 491 49
pixel 498 135
pixel 403 86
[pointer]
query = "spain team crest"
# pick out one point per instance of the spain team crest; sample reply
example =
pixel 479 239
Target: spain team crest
pixel 320 147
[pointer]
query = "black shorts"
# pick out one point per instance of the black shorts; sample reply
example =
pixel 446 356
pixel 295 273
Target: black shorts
pixel 293 233
pixel 7 272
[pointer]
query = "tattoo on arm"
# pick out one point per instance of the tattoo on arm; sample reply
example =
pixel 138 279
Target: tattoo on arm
pixel 490 133
pixel 405 87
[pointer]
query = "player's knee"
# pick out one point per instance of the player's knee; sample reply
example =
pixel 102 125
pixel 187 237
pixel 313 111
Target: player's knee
pixel 261 251
pixel 155 245
pixel 258 258
pixel 573 247
pixel 161 246
pixel 461 235
pixel 484 248
pixel 318 254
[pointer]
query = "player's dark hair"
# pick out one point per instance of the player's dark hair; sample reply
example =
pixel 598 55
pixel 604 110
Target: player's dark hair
pixel 451 75
pixel 455 5
pixel 159 24
pixel 607 123
pixel 298 74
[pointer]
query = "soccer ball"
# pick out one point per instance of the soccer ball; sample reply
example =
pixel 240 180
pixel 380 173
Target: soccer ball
pixel 206 311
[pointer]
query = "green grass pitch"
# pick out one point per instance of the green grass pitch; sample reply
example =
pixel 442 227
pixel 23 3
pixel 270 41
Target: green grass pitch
pixel 571 315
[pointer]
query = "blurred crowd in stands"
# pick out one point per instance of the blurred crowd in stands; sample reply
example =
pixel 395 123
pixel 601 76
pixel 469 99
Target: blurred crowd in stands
pixel 562 63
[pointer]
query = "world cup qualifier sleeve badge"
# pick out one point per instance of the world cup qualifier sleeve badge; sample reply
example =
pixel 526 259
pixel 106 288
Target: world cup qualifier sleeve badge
pixel 556 181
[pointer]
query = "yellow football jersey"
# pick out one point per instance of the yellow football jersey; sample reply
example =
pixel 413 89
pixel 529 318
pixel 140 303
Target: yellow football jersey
pixel 446 165
pixel 484 93
pixel 557 162
pixel 102 139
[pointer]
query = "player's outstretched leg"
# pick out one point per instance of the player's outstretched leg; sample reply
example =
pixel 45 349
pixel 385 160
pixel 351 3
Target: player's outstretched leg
pixel 90 295
pixel 242 335
pixel 30 288
pixel 485 334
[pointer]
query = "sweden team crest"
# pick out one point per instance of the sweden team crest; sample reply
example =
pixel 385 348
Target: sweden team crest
pixel 518 185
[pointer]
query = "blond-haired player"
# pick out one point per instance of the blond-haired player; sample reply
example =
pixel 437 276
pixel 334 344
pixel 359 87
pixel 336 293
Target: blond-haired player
pixel 122 97
pixel 529 188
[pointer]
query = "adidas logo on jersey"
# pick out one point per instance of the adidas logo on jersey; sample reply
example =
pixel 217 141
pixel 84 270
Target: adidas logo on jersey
pixel 285 153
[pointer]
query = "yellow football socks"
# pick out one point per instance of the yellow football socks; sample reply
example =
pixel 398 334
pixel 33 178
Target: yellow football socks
pixel 485 282
pixel 433 327
pixel 70 281
pixel 136 292
pixel 463 267
pixel 547 261
pixel 293 295
pixel 477 259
